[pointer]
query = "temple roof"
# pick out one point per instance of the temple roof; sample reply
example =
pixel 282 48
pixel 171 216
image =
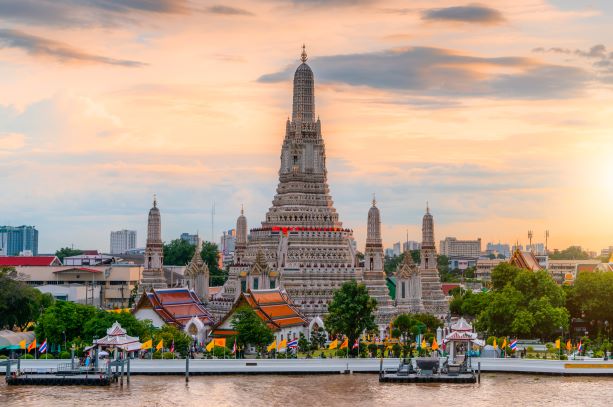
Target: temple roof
pixel 116 336
pixel 272 306
pixel 525 260
pixel 462 325
pixel 175 306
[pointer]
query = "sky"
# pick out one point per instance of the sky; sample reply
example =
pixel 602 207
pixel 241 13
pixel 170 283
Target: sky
pixel 497 113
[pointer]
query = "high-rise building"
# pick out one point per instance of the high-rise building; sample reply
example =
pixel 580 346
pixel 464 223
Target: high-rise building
pixel 18 240
pixel 191 239
pixel 396 249
pixel 122 241
pixel 499 248
pixel 410 245
pixel 465 248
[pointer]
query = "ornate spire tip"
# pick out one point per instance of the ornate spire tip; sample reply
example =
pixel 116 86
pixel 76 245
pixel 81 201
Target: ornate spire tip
pixel 155 201
pixel 303 55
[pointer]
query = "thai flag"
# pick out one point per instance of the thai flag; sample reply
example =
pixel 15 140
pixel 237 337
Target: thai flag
pixel 172 347
pixel 234 348
pixel 293 344
pixel 356 344
pixel 513 344
pixel 43 347
pixel 579 347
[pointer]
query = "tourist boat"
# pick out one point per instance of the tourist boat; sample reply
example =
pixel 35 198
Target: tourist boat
pixel 429 370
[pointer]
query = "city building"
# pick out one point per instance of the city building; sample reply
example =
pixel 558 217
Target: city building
pixel 106 286
pixel 537 248
pixel 499 248
pixel 123 241
pixel 462 262
pixel 484 268
pixel 396 249
pixel 566 271
pixel 389 252
pixel 191 239
pixel 461 248
pixel 227 247
pixel 411 245
pixel 18 241
pixel 89 260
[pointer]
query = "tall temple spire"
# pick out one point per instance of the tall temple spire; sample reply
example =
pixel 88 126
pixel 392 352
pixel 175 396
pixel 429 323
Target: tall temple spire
pixel 304 92
pixel 155 201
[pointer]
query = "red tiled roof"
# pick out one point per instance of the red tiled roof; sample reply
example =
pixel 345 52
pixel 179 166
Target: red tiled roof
pixel 175 306
pixel 448 287
pixel 29 261
pixel 84 269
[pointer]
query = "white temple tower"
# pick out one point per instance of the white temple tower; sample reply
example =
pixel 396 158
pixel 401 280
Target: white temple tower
pixel 153 273
pixel 433 299
pixel 408 286
pixel 197 274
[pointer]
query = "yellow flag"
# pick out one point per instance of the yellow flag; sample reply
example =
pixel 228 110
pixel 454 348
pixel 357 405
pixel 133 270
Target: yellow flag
pixel 160 345
pixel 22 344
pixel 210 346
pixel 504 343
pixel 569 346
pixel 32 345
pixel 345 343
pixel 220 342
pixel 495 344
pixel 282 344
pixel 272 346
pixel 557 344
pixel 424 344
pixel 434 344
pixel 147 345
pixel 333 344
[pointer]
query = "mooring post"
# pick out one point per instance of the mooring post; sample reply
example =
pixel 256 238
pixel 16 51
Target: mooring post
pixel 128 376
pixel 18 366
pixel 122 370
pixel 187 367
pixel 479 372
pixel 8 369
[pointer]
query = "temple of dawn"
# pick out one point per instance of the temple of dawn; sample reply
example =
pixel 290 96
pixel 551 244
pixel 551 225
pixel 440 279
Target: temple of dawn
pixel 289 266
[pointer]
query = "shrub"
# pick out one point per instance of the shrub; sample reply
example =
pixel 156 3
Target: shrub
pixel 64 355
pixel 157 355
pixel 168 355
pixel 46 356
pixel 26 356
pixel 563 357
pixel 2 357
pixel 530 349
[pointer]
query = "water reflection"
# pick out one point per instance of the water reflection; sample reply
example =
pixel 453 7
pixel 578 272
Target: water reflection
pixel 318 390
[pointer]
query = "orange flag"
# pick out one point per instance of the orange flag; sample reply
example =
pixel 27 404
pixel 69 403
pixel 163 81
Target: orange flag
pixel 434 344
pixel 569 346
pixel 32 345
pixel 345 343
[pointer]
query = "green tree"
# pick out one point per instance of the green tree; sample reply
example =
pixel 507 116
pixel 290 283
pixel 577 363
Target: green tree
pixel 103 320
pixel 391 263
pixel 178 252
pixel 20 304
pixel 351 311
pixel 503 274
pixel 64 318
pixel 404 323
pixel 67 252
pixel 590 297
pixel 570 253
pixel 210 255
pixel 251 329
pixel 318 338
pixel 170 333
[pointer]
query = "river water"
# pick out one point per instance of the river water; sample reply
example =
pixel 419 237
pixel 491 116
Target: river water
pixel 319 390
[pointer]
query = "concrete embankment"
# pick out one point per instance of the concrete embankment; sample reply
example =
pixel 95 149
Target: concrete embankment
pixel 331 366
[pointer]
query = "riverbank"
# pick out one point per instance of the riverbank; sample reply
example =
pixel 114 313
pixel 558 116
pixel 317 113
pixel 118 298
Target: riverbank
pixel 334 366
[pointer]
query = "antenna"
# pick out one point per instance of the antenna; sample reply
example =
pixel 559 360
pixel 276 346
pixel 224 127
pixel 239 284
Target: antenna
pixel 530 240
pixel 213 223
pixel 546 240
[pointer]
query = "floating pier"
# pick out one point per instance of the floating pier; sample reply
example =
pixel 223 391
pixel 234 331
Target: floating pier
pixel 427 370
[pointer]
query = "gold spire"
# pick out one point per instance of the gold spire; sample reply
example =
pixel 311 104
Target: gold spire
pixel 303 56
pixel 374 200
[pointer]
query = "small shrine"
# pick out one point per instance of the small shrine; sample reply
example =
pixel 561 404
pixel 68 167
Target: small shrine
pixel 117 338
pixel 460 339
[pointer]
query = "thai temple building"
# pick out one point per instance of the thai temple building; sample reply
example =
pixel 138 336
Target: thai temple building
pixel 153 273
pixel 433 298
pixel 301 249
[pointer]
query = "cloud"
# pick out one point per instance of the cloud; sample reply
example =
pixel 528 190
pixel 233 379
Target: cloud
pixel 85 13
pixel 227 10
pixel 442 72
pixel 39 46
pixel 472 13
pixel 604 59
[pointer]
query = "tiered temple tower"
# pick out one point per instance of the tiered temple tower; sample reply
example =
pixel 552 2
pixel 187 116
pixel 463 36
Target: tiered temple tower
pixel 197 274
pixel 373 274
pixel 301 237
pixel 408 286
pixel 432 293
pixel 153 273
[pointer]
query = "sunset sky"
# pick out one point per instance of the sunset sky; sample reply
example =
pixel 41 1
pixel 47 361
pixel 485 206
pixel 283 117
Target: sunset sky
pixel 499 113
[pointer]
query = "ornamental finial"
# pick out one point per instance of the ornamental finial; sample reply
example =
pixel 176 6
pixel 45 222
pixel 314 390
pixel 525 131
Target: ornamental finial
pixel 374 200
pixel 155 201
pixel 241 209
pixel 427 207
pixel 303 56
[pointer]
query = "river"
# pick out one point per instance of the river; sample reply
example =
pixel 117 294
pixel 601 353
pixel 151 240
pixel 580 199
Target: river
pixel 319 390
